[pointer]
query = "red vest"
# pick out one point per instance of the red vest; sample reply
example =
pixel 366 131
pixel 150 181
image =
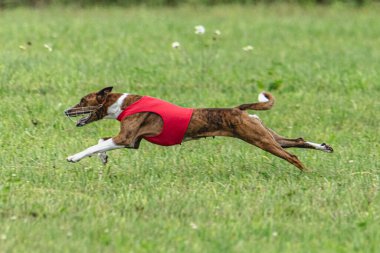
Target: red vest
pixel 175 118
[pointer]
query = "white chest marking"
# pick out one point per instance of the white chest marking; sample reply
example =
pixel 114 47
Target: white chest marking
pixel 115 109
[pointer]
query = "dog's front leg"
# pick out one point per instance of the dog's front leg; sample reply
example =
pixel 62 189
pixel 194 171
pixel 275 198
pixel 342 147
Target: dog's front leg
pixel 99 148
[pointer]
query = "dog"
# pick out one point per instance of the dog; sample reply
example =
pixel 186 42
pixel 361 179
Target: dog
pixel 163 123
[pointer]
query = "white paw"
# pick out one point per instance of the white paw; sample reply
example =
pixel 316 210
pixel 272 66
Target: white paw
pixel 323 147
pixel 74 158
pixel 327 148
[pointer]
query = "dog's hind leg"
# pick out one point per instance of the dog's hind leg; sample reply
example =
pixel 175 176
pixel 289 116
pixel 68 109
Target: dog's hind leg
pixel 293 143
pixel 299 143
pixel 256 134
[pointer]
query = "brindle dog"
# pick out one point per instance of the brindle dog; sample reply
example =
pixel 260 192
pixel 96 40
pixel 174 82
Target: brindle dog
pixel 207 122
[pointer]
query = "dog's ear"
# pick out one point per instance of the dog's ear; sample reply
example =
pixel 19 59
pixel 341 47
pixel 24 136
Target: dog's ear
pixel 104 92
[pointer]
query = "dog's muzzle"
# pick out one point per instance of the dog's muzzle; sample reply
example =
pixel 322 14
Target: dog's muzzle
pixel 79 111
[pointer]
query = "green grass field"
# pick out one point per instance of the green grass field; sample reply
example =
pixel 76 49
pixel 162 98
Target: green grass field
pixel 213 195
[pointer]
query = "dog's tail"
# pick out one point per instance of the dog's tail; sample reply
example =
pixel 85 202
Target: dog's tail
pixel 266 101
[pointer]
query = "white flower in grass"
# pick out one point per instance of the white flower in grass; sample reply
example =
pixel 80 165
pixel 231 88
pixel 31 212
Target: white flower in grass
pixel 176 44
pixel 48 47
pixel 200 29
pixel 248 48
pixel 217 33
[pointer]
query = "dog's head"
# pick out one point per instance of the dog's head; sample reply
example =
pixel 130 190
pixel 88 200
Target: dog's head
pixel 91 106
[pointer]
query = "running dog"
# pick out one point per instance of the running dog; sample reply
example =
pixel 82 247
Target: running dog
pixel 166 124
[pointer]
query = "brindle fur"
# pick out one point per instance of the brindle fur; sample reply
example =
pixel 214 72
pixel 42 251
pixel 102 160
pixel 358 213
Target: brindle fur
pixel 205 122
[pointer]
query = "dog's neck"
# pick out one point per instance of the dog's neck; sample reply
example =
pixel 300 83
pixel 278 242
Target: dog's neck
pixel 114 110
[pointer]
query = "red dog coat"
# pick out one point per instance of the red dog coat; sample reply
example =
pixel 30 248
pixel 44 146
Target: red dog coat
pixel 176 119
